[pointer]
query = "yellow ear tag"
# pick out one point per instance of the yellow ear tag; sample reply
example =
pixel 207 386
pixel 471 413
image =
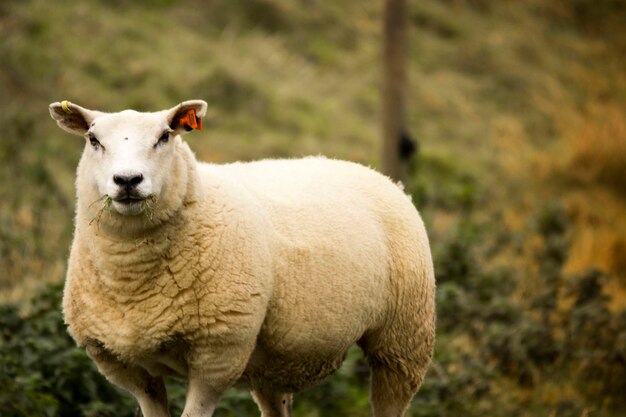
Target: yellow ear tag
pixel 65 106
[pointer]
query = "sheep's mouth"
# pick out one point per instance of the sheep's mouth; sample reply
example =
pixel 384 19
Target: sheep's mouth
pixel 131 204
pixel 128 200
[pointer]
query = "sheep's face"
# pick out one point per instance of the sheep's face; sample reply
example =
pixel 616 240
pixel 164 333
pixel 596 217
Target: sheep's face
pixel 129 157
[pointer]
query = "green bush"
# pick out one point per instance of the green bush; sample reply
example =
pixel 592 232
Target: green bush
pixel 560 329
pixel 595 341
pixel 42 373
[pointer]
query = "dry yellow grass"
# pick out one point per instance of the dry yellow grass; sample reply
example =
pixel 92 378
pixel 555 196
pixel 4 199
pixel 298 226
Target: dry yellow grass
pixel 598 147
pixel 591 162
pixel 599 238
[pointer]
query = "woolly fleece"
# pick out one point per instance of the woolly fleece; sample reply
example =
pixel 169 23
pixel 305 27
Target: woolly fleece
pixel 258 274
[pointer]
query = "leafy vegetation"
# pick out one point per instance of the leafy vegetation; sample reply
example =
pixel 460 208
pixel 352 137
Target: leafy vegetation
pixel 519 109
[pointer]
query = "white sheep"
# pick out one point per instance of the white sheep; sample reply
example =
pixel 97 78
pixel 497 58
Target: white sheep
pixel 259 275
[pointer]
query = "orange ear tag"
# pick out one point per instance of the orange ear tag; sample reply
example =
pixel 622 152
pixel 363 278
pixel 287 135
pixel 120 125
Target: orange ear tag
pixel 190 121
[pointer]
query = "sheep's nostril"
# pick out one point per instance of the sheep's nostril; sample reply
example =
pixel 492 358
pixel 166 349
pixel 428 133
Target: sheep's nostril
pixel 135 180
pixel 127 180
pixel 119 179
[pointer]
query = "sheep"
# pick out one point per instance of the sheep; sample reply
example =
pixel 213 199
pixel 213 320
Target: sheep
pixel 258 275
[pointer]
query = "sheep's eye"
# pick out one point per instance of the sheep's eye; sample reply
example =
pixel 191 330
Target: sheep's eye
pixel 94 142
pixel 163 138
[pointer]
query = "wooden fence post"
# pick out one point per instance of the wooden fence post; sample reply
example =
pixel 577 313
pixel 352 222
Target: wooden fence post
pixel 397 147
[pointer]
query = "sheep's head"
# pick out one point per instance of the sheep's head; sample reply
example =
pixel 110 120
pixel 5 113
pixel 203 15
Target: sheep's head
pixel 129 159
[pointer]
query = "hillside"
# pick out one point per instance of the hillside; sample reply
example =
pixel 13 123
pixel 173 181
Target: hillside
pixel 519 109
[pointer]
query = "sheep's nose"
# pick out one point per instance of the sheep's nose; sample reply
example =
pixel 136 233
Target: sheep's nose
pixel 128 180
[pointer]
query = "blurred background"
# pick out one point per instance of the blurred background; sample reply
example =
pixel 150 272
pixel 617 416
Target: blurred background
pixel 519 110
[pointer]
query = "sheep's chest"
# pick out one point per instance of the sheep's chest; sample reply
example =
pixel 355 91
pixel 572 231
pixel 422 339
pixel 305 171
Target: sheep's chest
pixel 133 298
pixel 134 324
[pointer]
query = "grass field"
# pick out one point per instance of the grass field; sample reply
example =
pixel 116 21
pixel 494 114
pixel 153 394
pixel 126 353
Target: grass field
pixel 519 108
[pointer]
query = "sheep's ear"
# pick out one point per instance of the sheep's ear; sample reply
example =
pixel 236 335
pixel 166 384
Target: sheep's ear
pixel 187 116
pixel 71 117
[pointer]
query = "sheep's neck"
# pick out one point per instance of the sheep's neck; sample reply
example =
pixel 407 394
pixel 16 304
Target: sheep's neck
pixel 131 266
pixel 161 265
pixel 132 255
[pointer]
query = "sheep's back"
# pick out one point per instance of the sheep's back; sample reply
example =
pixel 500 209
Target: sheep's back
pixel 335 229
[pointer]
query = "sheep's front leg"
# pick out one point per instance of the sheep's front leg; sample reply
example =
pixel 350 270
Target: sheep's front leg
pixel 148 390
pixel 213 369
pixel 202 397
